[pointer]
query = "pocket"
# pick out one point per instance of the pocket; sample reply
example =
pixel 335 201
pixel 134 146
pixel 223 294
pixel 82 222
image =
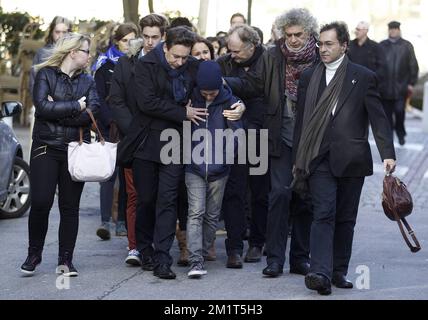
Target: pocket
pixel 39 151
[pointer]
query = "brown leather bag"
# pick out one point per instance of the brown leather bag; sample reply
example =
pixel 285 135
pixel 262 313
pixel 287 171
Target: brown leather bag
pixel 397 204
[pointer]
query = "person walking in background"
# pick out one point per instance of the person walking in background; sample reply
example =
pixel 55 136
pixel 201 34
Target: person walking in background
pixel 366 52
pixel 237 19
pixel 336 101
pixel 62 92
pixel 104 69
pixel 206 180
pixel 58 28
pixel 401 74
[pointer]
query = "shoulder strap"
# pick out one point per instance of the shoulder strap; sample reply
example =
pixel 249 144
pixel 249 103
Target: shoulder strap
pixel 402 221
pixel 91 115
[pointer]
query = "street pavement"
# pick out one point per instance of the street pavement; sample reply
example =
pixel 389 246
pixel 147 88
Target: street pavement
pixel 382 266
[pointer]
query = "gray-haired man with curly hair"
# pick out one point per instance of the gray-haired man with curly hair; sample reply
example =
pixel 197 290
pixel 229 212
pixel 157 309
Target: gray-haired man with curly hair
pixel 276 78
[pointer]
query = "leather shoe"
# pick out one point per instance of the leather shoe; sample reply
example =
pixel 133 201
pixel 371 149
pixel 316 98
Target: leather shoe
pixel 254 254
pixel 340 281
pixel 273 270
pixel 147 264
pixel 234 261
pixel 300 268
pixel 163 271
pixel 318 282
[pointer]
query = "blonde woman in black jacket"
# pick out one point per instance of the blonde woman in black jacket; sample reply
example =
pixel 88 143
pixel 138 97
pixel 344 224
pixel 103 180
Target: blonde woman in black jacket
pixel 62 92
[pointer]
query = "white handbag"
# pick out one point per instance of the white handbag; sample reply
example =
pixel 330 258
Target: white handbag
pixel 91 162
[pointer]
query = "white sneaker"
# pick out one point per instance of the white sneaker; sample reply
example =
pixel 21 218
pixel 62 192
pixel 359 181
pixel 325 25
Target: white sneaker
pixel 196 271
pixel 133 258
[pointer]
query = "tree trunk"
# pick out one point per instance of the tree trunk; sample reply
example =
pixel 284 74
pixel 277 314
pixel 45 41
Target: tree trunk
pixel 130 10
pixel 250 4
pixel 203 17
pixel 151 9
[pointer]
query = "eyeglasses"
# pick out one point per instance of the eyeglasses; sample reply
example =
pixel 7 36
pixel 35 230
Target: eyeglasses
pixel 85 51
pixel 327 44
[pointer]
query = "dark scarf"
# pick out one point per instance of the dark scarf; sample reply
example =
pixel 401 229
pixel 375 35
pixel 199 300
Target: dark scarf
pixel 113 54
pixel 179 76
pixel 316 118
pixel 296 63
pixel 257 53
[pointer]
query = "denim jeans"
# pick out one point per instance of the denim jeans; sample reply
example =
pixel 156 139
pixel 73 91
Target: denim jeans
pixel 205 199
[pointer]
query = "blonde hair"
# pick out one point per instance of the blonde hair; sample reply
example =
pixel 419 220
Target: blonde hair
pixel 62 49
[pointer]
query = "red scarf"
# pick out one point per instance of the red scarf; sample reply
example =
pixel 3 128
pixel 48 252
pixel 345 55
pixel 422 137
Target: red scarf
pixel 296 63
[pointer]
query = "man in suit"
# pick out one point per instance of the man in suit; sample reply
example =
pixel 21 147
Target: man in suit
pixel 336 101
pixel 401 74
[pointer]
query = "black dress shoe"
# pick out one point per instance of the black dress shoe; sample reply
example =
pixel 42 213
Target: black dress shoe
pixel 254 254
pixel 273 270
pixel 163 271
pixel 318 282
pixel 340 281
pixel 300 268
pixel 234 261
pixel 147 263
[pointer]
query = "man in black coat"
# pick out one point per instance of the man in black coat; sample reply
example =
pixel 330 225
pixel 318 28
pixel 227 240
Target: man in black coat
pixel 366 52
pixel 401 74
pixel 164 80
pixel 336 101
pixel 246 49
pixel 275 78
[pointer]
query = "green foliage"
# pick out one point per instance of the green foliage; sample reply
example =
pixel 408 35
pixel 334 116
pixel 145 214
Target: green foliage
pixel 11 31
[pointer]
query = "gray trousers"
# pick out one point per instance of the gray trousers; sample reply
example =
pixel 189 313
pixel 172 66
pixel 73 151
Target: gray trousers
pixel 205 199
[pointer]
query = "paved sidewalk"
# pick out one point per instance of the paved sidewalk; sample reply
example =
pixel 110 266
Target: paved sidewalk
pixel 380 256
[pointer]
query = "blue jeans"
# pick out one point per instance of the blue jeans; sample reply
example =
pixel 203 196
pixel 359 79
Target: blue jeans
pixel 205 199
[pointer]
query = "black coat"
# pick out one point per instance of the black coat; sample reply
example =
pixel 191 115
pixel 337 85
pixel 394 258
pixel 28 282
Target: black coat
pixel 346 138
pixel 103 78
pixel 401 69
pixel 156 105
pixel 268 81
pixel 123 102
pixel 57 123
pixel 369 55
pixel 255 107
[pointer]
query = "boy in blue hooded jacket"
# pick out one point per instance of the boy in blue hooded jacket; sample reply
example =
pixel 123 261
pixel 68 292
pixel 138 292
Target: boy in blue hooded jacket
pixel 208 172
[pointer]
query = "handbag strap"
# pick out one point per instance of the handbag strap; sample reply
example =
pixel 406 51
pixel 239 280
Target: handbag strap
pixel 91 115
pixel 402 221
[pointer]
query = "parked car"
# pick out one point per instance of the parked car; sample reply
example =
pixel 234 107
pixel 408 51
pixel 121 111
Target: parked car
pixel 15 195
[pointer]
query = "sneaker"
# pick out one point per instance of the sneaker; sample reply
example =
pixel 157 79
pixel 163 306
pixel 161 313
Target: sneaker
pixel 121 229
pixel 133 258
pixel 104 231
pixel 30 264
pixel 65 266
pixel 196 271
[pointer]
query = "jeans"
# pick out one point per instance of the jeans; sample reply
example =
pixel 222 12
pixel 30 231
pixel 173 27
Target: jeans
pixel 205 199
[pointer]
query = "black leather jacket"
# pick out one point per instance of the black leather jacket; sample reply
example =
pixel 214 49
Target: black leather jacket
pixel 401 69
pixel 57 122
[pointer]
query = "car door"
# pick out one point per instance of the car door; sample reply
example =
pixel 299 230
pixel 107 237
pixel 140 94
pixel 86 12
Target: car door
pixel 7 154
